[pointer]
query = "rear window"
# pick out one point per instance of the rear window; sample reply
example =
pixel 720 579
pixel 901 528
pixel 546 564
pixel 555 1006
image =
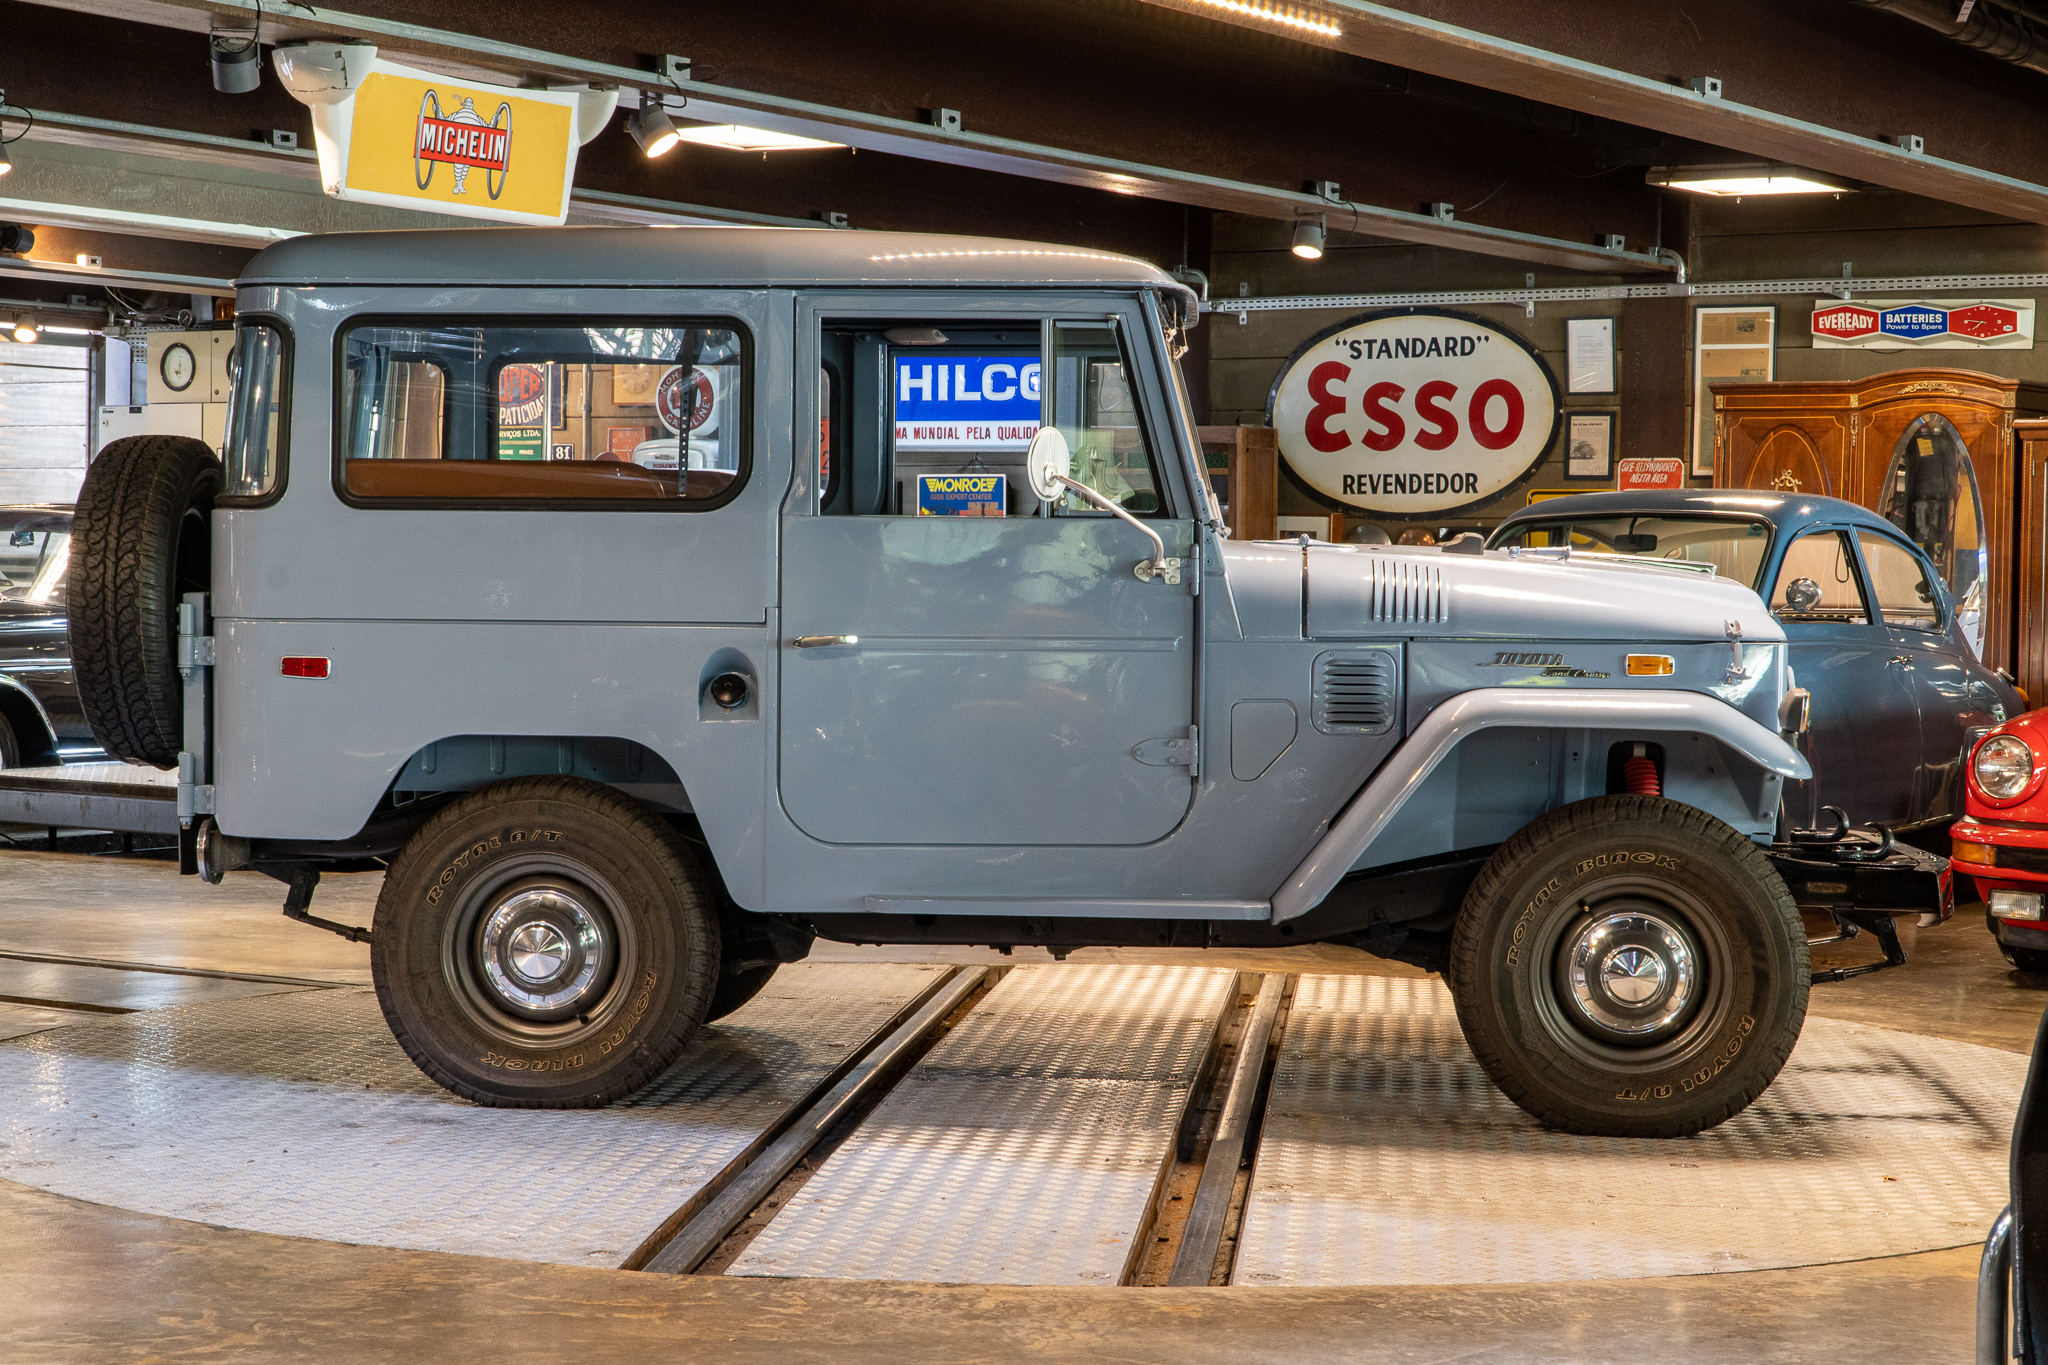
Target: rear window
pixel 1735 549
pixel 629 414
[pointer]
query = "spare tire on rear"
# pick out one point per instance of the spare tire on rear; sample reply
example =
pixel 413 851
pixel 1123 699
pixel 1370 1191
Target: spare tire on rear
pixel 141 540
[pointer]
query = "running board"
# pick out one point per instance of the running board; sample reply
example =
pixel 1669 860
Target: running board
pixel 1050 907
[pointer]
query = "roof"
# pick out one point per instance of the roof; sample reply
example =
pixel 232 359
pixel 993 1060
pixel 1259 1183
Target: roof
pixel 689 256
pixel 1779 509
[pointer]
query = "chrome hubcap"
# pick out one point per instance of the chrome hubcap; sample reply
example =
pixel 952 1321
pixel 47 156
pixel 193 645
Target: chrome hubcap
pixel 1629 976
pixel 545 954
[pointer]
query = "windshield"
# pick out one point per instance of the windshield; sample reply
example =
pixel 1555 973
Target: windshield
pixel 35 549
pixel 1735 548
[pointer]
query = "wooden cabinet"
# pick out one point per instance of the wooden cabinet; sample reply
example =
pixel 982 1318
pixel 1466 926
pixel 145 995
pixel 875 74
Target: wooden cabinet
pixel 2030 561
pixel 1244 469
pixel 1847 439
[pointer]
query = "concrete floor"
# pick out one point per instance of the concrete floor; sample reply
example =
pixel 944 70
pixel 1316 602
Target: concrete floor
pixel 85 1282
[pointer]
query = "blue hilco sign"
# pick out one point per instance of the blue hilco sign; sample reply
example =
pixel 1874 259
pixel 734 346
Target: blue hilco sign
pixel 956 402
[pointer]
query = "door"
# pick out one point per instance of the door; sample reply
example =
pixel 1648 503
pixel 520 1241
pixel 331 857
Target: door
pixel 1942 675
pixel 1864 708
pixel 962 665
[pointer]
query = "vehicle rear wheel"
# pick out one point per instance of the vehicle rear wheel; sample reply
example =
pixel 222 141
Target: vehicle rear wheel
pixel 2032 960
pixel 141 540
pixel 545 943
pixel 1630 967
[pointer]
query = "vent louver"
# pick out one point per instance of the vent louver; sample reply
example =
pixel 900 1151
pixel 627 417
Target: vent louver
pixel 1357 692
pixel 1403 590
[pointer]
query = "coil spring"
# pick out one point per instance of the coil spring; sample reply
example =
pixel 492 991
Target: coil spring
pixel 1639 777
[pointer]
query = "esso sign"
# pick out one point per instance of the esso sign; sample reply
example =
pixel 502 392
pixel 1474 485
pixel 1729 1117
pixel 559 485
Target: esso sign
pixel 1414 411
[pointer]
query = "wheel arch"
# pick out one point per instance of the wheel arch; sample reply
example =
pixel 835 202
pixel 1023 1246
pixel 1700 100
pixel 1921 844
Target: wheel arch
pixel 1714 758
pixel 32 727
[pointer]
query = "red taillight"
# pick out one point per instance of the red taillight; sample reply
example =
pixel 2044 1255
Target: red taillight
pixel 301 667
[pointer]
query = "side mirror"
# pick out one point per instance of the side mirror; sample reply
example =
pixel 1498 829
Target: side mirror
pixel 1802 594
pixel 1046 462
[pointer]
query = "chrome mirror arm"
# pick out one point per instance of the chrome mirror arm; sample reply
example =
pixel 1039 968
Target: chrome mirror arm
pixel 1147 569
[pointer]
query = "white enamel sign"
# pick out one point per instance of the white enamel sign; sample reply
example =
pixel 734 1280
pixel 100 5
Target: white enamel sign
pixel 1414 411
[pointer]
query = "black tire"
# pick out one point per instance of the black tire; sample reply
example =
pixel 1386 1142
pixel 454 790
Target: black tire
pixel 737 988
pixel 1655 896
pixel 2031 960
pixel 526 872
pixel 10 745
pixel 140 540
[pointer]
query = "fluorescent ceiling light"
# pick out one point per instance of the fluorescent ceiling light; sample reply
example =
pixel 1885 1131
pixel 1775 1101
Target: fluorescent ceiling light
pixel 1290 16
pixel 740 138
pixel 1752 178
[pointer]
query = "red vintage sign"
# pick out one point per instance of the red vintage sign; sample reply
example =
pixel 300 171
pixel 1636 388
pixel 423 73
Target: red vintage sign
pixel 1984 320
pixel 1637 476
pixel 1844 320
pixel 1414 411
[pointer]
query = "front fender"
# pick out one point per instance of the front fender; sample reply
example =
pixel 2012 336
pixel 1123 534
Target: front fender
pixel 1405 770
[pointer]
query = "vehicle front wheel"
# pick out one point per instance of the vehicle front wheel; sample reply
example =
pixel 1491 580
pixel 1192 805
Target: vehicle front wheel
pixel 545 943
pixel 1630 967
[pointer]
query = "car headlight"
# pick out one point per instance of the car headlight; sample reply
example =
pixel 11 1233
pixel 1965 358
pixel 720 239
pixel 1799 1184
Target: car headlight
pixel 2004 766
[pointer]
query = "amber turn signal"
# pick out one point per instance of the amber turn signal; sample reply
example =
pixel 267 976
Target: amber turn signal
pixel 1649 666
pixel 1982 854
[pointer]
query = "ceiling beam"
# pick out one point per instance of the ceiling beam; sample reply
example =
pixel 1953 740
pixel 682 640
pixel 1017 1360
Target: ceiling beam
pixel 462 54
pixel 1381 33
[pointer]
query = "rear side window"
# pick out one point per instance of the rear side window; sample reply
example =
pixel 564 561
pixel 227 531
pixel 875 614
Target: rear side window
pixel 631 414
pixel 257 382
pixel 1904 596
pixel 1817 581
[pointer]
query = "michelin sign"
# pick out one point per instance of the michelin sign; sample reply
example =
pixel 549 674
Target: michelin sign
pixel 956 402
pixel 390 134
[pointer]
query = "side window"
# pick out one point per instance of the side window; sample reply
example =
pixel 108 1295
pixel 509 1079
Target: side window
pixel 1094 408
pixel 1904 596
pixel 536 412
pixel 1817 581
pixel 257 382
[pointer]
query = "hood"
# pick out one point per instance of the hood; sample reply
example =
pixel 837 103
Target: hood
pixel 1362 591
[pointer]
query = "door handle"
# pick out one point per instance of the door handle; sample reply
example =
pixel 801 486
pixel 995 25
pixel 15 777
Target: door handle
pixel 824 641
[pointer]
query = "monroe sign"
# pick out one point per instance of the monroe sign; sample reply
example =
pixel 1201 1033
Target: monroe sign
pixel 1414 411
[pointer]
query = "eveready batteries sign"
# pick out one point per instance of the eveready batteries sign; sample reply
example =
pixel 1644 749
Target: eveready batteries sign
pixel 1903 325
pixel 955 402
pixel 1413 411
pixel 411 139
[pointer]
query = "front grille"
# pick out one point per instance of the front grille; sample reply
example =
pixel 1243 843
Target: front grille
pixel 1357 692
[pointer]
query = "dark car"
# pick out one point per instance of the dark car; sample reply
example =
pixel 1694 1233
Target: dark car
pixel 40 718
pixel 1899 695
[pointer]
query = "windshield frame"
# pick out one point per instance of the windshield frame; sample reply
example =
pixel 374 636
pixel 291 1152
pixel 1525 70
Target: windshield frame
pixel 1501 533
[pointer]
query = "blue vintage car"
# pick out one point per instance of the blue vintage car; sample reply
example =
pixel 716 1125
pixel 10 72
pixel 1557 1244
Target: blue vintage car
pixel 1899 694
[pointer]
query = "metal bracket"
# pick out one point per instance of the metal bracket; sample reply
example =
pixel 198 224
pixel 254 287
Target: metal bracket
pixel 1173 751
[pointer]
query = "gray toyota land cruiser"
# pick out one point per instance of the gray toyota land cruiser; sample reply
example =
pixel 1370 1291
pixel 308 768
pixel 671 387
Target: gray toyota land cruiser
pixel 655 601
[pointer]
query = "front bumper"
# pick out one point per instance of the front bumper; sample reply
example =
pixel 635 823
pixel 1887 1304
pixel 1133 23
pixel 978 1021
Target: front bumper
pixel 2005 858
pixel 1858 873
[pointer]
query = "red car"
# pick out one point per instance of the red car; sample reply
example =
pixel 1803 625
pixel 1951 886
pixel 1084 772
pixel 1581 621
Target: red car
pixel 2002 838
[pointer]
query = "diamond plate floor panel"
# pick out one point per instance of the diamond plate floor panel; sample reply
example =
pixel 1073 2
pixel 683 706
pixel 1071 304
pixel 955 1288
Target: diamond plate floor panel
pixel 1389 1158
pixel 1023 1149
pixel 298 1114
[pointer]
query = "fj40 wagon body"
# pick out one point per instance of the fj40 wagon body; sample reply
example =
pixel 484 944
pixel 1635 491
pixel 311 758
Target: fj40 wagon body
pixel 918 625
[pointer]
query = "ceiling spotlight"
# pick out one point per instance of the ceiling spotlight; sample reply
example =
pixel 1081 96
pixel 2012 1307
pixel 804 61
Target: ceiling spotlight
pixel 1308 239
pixel 237 60
pixel 25 328
pixel 651 128
pixel 738 137
pixel 1755 177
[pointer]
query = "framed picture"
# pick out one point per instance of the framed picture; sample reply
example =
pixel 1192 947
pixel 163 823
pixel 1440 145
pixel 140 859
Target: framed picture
pixel 1588 444
pixel 1589 355
pixel 1730 345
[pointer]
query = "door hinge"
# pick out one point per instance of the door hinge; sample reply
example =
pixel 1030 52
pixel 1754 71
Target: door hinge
pixel 1173 751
